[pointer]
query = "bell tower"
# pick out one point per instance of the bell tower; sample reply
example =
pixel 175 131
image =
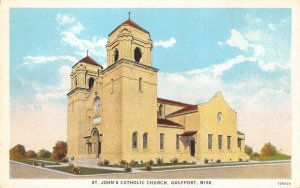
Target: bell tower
pixel 131 42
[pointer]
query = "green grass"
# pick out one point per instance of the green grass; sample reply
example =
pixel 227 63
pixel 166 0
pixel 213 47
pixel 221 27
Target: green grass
pixel 162 164
pixel 85 171
pixel 275 157
pixel 29 161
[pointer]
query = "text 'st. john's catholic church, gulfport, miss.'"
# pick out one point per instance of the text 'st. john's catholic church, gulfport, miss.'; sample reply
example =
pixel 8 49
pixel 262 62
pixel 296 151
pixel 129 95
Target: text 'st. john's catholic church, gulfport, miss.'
pixel 114 113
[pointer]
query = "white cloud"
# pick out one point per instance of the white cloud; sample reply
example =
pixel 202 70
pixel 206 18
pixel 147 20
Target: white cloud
pixel 237 40
pixel 254 35
pixel 259 50
pixel 220 43
pixel 77 28
pixel 166 44
pixel 64 19
pixel 272 27
pixel 270 67
pixel 96 45
pixel 35 60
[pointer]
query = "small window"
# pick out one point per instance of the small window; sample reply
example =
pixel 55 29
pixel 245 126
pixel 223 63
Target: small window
pixel 177 141
pixel 220 141
pixel 116 55
pixel 161 141
pixel 228 142
pixel 210 141
pixel 141 84
pixel 240 143
pixel 145 141
pixel 112 86
pixel 134 140
pixel 137 55
pixel 160 110
pixel 91 82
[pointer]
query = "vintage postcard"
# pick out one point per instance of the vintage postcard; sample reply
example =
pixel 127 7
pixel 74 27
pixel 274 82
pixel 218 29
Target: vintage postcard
pixel 143 95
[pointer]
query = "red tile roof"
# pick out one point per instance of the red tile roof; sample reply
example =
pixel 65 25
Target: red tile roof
pixel 185 109
pixel 132 24
pixel 188 133
pixel 167 122
pixel 89 60
pixel 170 102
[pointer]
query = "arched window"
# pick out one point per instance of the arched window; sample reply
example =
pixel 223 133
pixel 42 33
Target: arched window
pixel 177 141
pixel 91 82
pixel 160 110
pixel 116 55
pixel 141 84
pixel 137 54
pixel 134 140
pixel 145 140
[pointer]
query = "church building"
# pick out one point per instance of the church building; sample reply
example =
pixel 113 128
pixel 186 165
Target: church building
pixel 115 113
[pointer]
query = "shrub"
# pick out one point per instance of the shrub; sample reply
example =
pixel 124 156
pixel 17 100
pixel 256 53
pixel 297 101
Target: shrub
pixel 64 160
pixel 43 164
pixel 59 150
pixel 240 159
pixel 268 150
pixel 44 153
pixel 103 163
pixel 206 161
pixel 31 154
pixel 159 160
pixel 174 160
pixel 75 169
pixel 151 162
pixel 123 163
pixel 17 152
pixel 194 162
pixel 148 166
pixel 184 162
pixel 219 160
pixel 133 163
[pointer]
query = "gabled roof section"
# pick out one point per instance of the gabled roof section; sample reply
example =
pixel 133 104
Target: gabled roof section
pixel 170 102
pixel 130 23
pixel 168 122
pixel 90 61
pixel 189 108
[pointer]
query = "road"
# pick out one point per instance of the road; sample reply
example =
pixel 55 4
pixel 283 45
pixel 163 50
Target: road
pixel 258 171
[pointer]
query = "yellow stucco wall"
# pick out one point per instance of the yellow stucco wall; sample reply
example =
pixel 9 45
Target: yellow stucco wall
pixel 128 94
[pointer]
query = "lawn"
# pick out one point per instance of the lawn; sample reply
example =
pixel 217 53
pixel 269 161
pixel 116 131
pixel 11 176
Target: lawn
pixel 275 157
pixel 85 171
pixel 161 164
pixel 29 161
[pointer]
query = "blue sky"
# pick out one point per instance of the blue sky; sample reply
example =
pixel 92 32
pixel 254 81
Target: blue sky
pixel 245 53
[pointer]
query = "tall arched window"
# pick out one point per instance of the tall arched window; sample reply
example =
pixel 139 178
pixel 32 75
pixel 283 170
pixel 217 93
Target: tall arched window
pixel 137 54
pixel 91 82
pixel 134 140
pixel 145 140
pixel 141 84
pixel 160 110
pixel 116 55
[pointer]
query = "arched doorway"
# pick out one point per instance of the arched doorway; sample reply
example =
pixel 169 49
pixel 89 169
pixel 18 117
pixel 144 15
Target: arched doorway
pixel 96 143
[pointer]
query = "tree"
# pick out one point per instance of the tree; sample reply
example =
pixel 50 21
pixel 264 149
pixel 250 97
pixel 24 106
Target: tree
pixel 248 150
pixel 17 152
pixel 31 154
pixel 268 150
pixel 44 153
pixel 59 150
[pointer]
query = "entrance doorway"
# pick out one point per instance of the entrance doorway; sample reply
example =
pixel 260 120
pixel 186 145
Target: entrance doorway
pixel 97 143
pixel 192 146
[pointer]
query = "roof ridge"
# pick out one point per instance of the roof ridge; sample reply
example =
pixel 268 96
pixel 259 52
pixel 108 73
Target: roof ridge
pixel 162 100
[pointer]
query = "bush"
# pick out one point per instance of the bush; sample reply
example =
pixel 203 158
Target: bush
pixel 219 160
pixel 133 163
pixel 268 150
pixel 206 161
pixel 148 166
pixel 64 160
pixel 103 163
pixel 151 162
pixel 59 150
pixel 159 160
pixel 194 162
pixel 17 152
pixel 184 162
pixel 240 159
pixel 35 163
pixel 44 153
pixel 123 163
pixel 174 160
pixel 31 154
pixel 74 169
pixel 43 164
